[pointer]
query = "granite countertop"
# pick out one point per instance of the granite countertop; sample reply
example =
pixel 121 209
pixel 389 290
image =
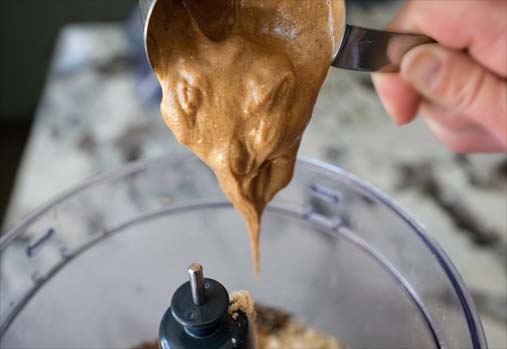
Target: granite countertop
pixel 96 114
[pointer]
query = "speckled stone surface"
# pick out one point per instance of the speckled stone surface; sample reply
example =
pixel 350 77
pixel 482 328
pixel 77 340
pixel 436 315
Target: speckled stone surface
pixel 95 115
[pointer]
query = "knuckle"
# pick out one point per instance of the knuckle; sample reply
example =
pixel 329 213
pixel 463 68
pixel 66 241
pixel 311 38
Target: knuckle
pixel 467 95
pixel 458 146
pixel 500 108
pixel 498 50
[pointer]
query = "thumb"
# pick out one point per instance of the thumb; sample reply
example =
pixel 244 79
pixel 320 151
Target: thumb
pixel 455 81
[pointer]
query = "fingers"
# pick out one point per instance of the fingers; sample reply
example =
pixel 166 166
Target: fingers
pixel 457 24
pixel 457 131
pixel 400 100
pixel 478 26
pixel 453 80
pixel 464 95
pixel 469 140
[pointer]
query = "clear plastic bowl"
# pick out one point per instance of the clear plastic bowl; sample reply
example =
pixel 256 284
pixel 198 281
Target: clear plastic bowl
pixel 96 267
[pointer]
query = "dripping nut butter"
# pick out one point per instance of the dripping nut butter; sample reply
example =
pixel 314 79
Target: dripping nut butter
pixel 239 81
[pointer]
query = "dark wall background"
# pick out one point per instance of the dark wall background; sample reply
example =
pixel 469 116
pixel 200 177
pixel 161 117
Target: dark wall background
pixel 28 30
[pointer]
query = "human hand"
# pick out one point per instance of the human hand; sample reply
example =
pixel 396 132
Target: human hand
pixel 459 84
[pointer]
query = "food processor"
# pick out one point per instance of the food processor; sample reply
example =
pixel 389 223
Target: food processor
pixel 97 266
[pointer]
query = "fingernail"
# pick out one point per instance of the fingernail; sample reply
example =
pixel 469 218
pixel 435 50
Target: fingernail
pixel 422 68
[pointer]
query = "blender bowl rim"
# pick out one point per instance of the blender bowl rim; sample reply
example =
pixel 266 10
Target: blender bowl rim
pixel 473 321
pixel 471 314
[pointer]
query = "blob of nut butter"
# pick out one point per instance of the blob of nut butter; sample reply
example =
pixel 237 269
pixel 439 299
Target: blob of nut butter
pixel 239 82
